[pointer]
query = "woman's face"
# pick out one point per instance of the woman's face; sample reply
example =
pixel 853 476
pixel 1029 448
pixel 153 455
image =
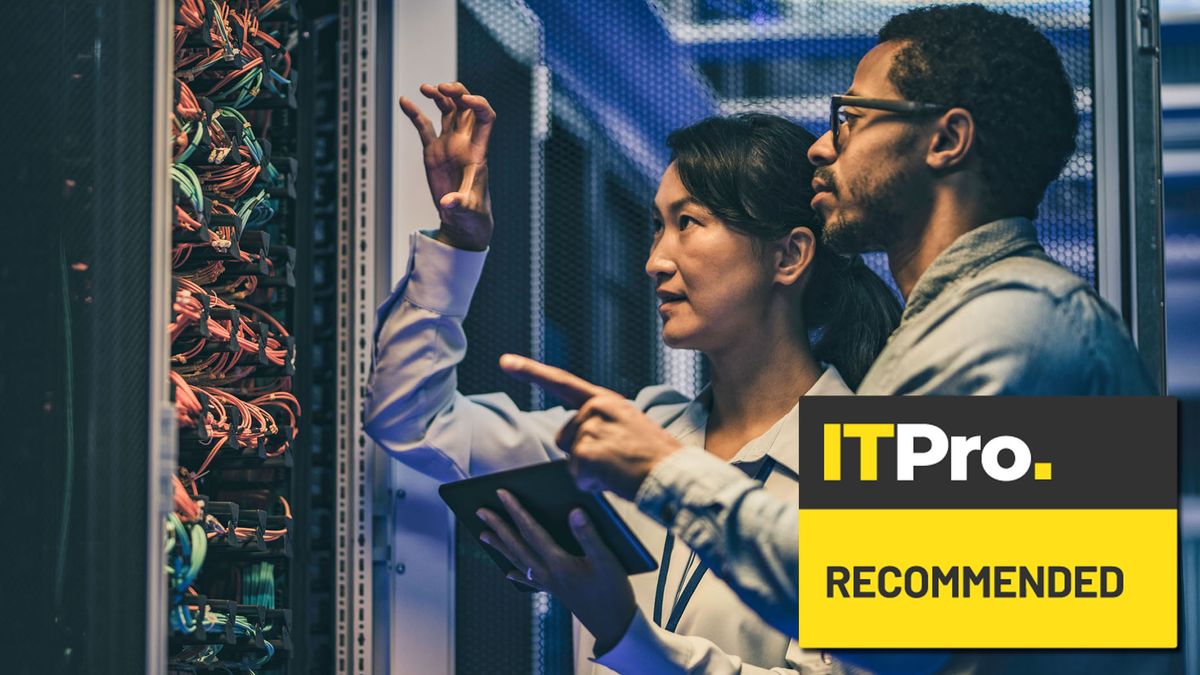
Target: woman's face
pixel 712 283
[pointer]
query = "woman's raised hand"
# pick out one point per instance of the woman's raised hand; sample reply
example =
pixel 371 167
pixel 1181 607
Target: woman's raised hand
pixel 456 162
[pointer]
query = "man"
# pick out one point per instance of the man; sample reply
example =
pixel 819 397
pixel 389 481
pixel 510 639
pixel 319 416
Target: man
pixel 973 118
pixel 954 126
pixel 939 154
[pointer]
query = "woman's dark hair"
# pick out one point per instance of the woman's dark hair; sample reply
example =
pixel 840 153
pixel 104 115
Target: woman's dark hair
pixel 752 171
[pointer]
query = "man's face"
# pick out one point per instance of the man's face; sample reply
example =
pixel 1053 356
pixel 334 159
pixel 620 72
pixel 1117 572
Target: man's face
pixel 869 185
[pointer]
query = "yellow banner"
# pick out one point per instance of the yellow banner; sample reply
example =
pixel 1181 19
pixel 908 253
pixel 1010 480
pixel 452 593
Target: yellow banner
pixel 988 578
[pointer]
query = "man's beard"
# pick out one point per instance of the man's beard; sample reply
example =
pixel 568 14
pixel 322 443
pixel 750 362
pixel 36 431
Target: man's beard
pixel 877 225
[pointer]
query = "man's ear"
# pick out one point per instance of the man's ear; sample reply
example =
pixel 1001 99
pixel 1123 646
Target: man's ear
pixel 795 256
pixel 953 140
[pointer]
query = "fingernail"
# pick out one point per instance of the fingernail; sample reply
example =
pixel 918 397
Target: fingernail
pixel 578 518
pixel 485 539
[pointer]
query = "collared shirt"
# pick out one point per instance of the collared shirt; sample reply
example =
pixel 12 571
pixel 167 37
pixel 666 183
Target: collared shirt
pixel 415 413
pixel 747 534
pixel 714 611
pixel 994 314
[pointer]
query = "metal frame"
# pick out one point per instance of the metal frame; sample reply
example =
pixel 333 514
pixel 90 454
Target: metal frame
pixel 356 269
pixel 162 447
pixel 1106 83
pixel 361 318
pixel 380 489
pixel 1129 220
pixel 1146 255
pixel 343 604
pixel 539 131
pixel 414 559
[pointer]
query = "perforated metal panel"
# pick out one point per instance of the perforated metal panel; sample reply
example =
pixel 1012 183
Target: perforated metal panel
pixel 497 56
pixel 788 57
pixel 78 384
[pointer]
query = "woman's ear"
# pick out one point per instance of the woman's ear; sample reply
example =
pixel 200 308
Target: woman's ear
pixel 795 256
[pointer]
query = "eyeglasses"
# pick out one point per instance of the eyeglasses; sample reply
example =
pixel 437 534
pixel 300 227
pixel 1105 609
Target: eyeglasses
pixel 907 108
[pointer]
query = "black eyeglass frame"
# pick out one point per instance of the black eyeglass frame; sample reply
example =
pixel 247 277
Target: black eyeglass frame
pixel 900 107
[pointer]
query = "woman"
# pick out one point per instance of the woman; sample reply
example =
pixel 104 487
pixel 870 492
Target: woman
pixel 742 277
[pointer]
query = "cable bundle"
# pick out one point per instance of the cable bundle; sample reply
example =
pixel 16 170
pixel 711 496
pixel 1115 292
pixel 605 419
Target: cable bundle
pixel 209 387
pixel 214 623
pixel 187 186
pixel 232 357
pixel 184 548
pixel 224 367
pixel 215 528
pixel 186 508
pixel 187 123
pixel 226 52
pixel 258 585
pixel 255 423
pixel 230 182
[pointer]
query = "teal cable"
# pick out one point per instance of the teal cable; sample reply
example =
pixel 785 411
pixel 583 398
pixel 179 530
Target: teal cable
pixel 246 207
pixel 187 180
pixel 258 585
pixel 193 142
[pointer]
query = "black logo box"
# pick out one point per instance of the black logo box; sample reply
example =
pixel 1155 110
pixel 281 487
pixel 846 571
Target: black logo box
pixel 1106 452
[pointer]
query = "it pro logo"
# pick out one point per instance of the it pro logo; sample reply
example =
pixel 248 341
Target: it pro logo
pixel 932 522
pixel 1003 458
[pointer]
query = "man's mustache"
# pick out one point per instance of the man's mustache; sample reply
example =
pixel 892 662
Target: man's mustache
pixel 825 175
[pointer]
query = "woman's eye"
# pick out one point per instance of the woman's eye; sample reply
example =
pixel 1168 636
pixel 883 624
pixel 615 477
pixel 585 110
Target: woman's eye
pixel 684 221
pixel 657 224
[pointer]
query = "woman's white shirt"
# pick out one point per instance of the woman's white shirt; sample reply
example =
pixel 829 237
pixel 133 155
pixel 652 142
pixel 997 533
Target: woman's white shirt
pixel 415 413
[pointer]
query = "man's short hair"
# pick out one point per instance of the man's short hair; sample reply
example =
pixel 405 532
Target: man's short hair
pixel 1009 76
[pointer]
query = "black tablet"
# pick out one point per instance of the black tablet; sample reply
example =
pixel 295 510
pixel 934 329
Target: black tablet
pixel 548 493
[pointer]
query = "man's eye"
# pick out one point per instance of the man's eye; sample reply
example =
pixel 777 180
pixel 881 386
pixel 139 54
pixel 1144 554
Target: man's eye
pixel 657 224
pixel 684 221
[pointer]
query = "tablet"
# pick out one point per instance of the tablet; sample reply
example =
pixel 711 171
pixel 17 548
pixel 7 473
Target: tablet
pixel 548 493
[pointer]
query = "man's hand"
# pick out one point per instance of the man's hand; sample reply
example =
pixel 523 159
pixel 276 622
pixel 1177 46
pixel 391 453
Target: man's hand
pixel 593 586
pixel 456 162
pixel 613 445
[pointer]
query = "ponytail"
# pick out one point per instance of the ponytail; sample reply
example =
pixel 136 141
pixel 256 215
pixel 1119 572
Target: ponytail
pixel 851 310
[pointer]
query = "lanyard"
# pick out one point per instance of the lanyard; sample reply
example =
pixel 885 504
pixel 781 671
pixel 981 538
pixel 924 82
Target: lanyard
pixel 689 588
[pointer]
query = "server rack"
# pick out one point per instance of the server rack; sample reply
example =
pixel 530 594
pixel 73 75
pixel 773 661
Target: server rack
pixel 236 559
pixel 282 589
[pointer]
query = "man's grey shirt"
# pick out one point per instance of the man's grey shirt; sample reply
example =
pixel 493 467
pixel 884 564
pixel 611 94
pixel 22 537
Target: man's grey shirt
pixel 994 314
